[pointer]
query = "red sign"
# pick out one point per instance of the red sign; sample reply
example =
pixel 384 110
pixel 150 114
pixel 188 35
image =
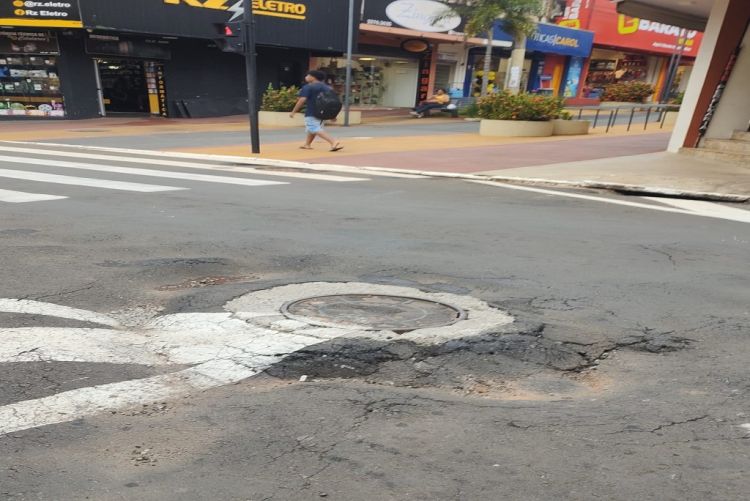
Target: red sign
pixel 624 32
pixel 577 14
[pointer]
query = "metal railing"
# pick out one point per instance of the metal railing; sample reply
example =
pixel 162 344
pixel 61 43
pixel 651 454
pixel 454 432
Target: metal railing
pixel 612 113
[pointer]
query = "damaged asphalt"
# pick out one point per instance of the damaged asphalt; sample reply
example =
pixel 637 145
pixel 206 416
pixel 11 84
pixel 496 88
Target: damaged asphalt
pixel 624 375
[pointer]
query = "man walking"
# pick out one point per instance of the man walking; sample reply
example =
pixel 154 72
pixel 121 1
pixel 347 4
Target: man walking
pixel 313 125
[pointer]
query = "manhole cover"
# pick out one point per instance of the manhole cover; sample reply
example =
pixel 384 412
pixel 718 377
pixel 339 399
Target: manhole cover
pixel 373 312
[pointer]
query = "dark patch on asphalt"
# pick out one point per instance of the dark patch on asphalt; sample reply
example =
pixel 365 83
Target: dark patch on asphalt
pixel 166 262
pixel 503 354
pixel 31 380
pixel 21 320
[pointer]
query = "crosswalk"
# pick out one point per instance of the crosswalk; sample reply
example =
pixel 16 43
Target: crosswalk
pixel 103 169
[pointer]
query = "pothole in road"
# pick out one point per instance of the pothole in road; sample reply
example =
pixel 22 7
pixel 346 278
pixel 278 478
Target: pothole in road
pixel 373 312
pixel 196 283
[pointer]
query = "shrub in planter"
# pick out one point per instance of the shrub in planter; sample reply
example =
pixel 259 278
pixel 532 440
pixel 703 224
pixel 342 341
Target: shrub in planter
pixel 526 107
pixel 629 92
pixel 282 99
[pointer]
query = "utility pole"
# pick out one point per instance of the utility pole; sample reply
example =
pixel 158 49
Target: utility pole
pixel 251 71
pixel 349 48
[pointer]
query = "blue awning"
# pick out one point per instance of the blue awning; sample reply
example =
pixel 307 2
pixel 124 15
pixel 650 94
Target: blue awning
pixel 554 39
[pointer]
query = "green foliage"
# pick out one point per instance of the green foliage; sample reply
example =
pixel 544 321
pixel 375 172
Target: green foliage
pixel 507 106
pixel 517 15
pixel 677 98
pixel 282 99
pixel 469 111
pixel 629 92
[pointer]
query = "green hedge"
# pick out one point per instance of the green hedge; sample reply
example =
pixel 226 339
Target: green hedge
pixel 532 107
pixel 282 99
pixel 629 92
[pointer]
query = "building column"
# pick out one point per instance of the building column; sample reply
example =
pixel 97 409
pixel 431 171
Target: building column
pixel 725 28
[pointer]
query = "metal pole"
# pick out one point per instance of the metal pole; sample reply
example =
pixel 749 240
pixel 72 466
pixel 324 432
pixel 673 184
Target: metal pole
pixel 349 47
pixel 630 122
pixel 596 118
pixel 648 116
pixel 251 72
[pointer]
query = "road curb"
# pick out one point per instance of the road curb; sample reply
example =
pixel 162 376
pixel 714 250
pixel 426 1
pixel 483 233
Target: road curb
pixel 657 191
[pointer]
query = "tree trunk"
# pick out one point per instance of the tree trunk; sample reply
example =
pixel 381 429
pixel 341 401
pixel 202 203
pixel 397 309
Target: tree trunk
pixel 487 64
pixel 515 68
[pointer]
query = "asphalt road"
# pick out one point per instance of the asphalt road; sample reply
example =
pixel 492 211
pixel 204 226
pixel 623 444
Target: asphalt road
pixel 623 376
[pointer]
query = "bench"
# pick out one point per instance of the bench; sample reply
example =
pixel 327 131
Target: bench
pixel 459 104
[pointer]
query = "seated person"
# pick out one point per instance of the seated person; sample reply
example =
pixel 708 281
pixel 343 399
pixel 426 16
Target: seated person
pixel 438 100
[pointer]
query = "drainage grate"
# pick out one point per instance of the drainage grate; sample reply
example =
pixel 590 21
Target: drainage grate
pixel 373 312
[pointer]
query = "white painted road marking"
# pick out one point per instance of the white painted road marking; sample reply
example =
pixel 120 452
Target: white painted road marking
pixel 84 181
pixel 706 208
pixel 223 348
pixel 174 163
pixel 689 207
pixel 140 172
pixel 29 307
pixel 17 197
pixel 270 162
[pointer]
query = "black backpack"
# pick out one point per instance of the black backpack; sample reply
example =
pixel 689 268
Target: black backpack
pixel 327 105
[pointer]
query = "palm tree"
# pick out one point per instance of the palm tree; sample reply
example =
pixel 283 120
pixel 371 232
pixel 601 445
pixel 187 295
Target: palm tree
pixel 518 21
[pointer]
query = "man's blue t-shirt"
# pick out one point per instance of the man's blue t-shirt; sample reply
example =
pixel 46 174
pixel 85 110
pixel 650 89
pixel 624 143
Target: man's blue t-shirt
pixel 311 91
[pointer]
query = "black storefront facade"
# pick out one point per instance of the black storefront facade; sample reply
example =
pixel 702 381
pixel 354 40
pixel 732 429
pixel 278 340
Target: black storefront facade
pixel 155 56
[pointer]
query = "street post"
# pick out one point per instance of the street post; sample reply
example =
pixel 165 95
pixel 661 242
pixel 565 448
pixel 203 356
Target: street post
pixel 349 47
pixel 251 72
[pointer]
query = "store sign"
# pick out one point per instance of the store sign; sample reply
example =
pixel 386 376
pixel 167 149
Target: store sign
pixel 559 40
pixel 623 32
pixel 309 24
pixel 40 13
pixel 418 15
pixel 274 8
pixel 553 39
pixel 116 45
pixel 576 14
pixel 28 42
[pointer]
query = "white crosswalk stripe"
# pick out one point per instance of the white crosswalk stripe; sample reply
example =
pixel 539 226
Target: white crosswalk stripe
pixel 177 163
pixel 139 172
pixel 85 181
pixel 24 161
pixel 17 197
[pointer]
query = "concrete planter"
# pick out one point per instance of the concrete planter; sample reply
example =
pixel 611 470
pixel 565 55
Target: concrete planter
pixel 515 128
pixel 570 127
pixel 282 119
pixel 671 118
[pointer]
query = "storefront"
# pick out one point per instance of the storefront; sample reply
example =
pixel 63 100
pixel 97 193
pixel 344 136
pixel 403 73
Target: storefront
pixel 156 57
pixel 406 49
pixel 555 57
pixel 29 77
pixel 630 49
pixel 30 82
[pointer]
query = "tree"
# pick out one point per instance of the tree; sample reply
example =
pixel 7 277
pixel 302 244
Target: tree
pixel 518 18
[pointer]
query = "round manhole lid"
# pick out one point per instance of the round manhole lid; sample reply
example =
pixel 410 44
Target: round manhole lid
pixel 373 312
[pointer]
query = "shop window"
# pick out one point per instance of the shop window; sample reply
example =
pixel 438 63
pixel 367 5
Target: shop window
pixel 30 86
pixel 376 80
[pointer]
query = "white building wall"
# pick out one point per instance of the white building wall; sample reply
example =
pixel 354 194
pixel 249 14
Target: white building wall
pixel 733 112
pixel 698 77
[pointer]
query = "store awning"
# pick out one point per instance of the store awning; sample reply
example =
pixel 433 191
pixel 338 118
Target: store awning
pixel 430 36
pixel 554 39
pixel 690 15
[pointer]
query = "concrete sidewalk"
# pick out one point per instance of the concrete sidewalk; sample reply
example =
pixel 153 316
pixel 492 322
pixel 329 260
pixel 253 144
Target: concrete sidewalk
pixel 621 160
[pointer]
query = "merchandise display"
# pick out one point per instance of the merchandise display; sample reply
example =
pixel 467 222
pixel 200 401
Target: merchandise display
pixel 30 86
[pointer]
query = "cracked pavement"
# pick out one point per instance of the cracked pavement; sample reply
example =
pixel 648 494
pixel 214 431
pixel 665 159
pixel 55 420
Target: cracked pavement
pixel 623 375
